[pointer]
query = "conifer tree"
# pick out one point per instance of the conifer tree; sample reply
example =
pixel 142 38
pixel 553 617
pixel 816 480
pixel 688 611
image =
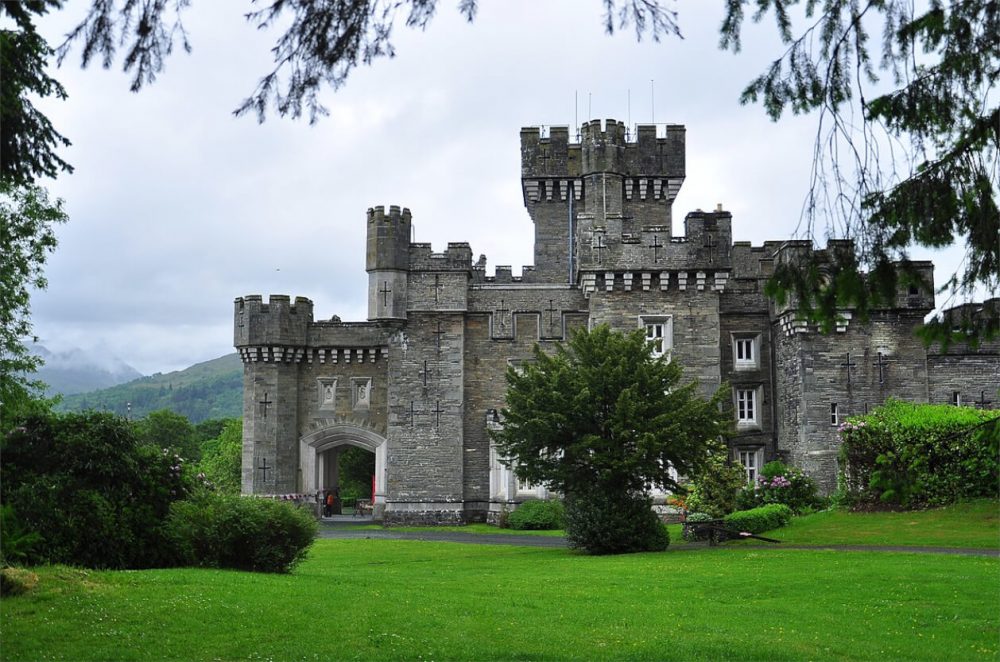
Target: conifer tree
pixel 602 421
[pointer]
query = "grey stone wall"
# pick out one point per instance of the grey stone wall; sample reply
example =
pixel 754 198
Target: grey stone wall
pixel 813 375
pixel 424 454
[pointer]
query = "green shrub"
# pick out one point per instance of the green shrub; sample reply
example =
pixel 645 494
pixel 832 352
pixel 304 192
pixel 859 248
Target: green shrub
pixel 245 533
pixel 94 495
pixel 599 523
pixel 759 520
pixel 911 456
pixel 538 515
pixel 716 491
pixel 778 483
pixel 16 542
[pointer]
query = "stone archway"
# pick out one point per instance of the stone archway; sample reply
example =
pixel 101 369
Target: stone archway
pixel 317 442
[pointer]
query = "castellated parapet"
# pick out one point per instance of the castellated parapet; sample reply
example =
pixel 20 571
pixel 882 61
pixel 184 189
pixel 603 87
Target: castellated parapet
pixel 594 201
pixel 387 261
pixel 422 382
pixel 277 322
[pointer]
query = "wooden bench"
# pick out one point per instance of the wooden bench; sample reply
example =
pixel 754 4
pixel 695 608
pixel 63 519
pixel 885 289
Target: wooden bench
pixel 363 508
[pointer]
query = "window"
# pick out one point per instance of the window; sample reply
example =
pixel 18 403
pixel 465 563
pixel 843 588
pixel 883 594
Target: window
pixel 956 398
pixel 834 414
pixel 746 406
pixel 745 350
pixel 524 485
pixel 751 460
pixel 659 332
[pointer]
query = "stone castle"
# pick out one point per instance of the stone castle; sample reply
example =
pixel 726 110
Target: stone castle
pixel 422 381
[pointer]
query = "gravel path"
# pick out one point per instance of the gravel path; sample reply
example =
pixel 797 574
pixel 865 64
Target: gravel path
pixel 340 532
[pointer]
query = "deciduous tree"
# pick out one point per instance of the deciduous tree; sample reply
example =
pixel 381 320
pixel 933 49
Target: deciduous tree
pixel 27 235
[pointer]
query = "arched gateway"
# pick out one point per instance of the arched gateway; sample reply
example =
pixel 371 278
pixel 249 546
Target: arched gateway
pixel 318 457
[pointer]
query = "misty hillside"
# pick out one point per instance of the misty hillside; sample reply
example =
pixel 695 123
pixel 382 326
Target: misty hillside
pixel 213 389
pixel 76 371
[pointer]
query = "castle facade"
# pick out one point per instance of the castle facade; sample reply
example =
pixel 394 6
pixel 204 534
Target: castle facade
pixel 422 381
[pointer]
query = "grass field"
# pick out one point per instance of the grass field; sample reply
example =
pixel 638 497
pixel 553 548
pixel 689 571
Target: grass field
pixel 974 525
pixel 387 600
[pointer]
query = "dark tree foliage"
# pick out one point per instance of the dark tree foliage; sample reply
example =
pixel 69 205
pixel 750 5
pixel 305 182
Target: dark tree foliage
pixel 601 421
pixel 164 429
pixel 28 141
pixel 357 466
pixel 911 160
pixel 95 495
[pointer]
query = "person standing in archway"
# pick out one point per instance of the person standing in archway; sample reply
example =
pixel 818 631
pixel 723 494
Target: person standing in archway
pixel 328 509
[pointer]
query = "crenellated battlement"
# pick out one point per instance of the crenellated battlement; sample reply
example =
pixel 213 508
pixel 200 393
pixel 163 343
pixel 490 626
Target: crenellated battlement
pixel 396 214
pixel 457 257
pixel 604 147
pixel 279 321
pixel 388 244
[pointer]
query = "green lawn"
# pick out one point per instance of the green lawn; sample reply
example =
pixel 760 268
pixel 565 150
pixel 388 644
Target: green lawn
pixel 975 524
pixel 387 600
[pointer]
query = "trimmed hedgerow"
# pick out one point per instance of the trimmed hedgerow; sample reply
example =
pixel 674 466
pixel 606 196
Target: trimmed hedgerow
pixel 759 520
pixel 911 455
pixel 538 515
pixel 244 533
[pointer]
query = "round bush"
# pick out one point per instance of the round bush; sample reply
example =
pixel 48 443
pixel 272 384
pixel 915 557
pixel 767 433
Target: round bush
pixel 600 523
pixel 538 515
pixel 245 533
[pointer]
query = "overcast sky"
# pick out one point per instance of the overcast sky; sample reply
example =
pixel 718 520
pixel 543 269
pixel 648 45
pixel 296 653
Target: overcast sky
pixel 176 207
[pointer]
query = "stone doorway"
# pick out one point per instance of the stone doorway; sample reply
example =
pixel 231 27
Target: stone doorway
pixel 326 452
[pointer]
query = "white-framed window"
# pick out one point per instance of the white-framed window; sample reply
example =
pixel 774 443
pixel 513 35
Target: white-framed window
pixel 751 460
pixel 524 485
pixel 834 414
pixel 746 350
pixel 659 333
pixel 956 398
pixel 746 406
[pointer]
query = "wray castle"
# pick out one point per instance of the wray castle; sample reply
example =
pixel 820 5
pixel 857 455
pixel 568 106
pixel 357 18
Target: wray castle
pixel 422 381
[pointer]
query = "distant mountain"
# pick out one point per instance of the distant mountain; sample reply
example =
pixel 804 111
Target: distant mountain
pixel 213 389
pixel 76 371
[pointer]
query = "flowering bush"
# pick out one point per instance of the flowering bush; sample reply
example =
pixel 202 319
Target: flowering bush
pixel 778 483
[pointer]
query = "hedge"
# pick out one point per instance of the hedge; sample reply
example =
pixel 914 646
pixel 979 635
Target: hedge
pixel 759 520
pixel 912 455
